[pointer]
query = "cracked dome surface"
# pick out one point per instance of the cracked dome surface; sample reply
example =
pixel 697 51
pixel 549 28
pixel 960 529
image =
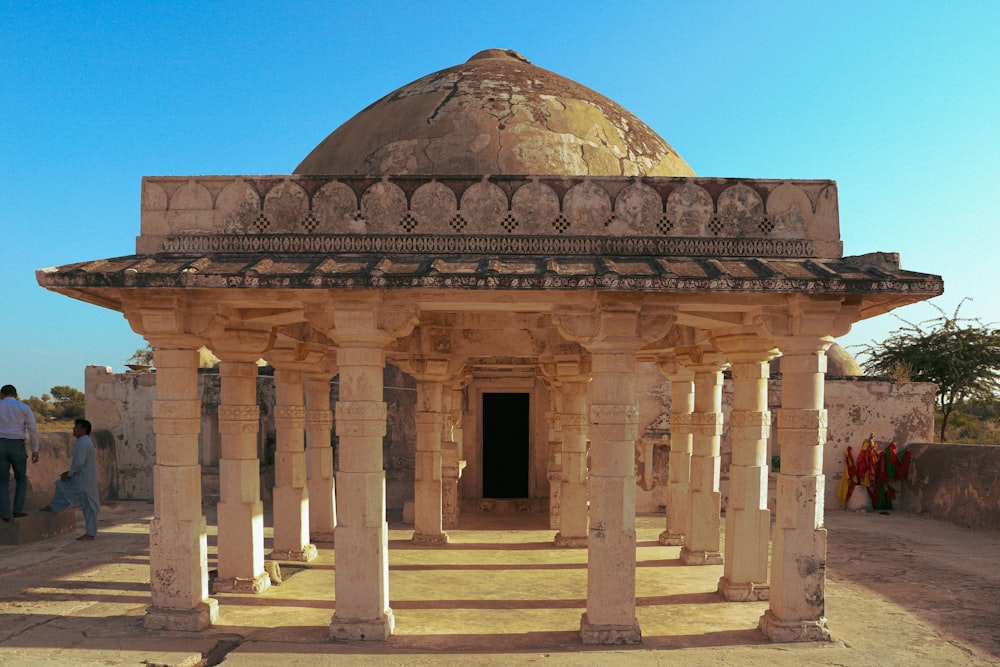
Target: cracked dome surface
pixel 495 114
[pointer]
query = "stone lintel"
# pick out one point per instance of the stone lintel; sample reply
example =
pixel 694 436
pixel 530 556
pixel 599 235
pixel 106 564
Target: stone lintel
pixel 258 584
pixel 430 540
pixel 748 591
pixel 323 537
pixel 200 617
pixel 669 539
pixel 375 630
pixel 609 634
pixel 794 631
pixel 690 557
pixel 304 555
pixel 570 542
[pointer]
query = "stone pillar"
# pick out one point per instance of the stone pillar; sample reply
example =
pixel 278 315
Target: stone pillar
pixel 798 568
pixel 573 524
pixel 240 511
pixel 319 458
pixel 679 461
pixel 748 521
pixel 612 332
pixel 553 471
pixel 362 534
pixel 291 497
pixel 614 428
pixel 702 535
pixel 361 328
pixel 451 458
pixel 178 542
pixel 427 488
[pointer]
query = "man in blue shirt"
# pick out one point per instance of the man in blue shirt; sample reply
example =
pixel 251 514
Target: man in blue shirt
pixel 16 420
pixel 79 483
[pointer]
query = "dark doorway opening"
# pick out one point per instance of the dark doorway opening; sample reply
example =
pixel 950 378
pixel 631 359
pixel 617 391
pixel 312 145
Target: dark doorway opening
pixel 505 445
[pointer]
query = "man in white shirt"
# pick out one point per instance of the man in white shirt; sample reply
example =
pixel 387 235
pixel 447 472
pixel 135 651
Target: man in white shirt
pixel 16 421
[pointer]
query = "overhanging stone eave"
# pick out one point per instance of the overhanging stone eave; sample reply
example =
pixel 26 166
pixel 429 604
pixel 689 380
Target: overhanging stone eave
pixel 877 297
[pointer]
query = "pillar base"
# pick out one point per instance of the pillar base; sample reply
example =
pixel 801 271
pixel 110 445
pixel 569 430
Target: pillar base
pixel 428 540
pixel 258 584
pixel 689 557
pixel 794 631
pixel 377 630
pixel 324 538
pixel 303 555
pixel 569 542
pixel 609 634
pixel 743 591
pixel 186 620
pixel 671 539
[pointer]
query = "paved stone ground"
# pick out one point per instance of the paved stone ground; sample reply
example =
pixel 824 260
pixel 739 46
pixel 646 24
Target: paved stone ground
pixel 901 590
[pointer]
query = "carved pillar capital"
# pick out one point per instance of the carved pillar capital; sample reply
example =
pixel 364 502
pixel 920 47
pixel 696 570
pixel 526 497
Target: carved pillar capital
pixel 701 360
pixel 619 323
pixel 171 321
pixel 745 347
pixel 305 357
pixel 806 317
pixel 241 345
pixel 365 320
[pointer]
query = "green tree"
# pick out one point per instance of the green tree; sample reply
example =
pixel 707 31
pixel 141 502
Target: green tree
pixel 142 357
pixel 69 402
pixel 960 355
pixel 42 408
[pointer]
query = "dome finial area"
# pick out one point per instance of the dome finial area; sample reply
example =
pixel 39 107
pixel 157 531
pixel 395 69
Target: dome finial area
pixel 495 114
pixel 499 53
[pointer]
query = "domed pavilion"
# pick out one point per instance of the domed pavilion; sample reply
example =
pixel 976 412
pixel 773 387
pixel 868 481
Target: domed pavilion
pixel 517 243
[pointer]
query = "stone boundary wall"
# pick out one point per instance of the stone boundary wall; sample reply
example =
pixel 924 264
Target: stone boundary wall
pixel 900 412
pixel 55 452
pixel 120 405
pixel 956 483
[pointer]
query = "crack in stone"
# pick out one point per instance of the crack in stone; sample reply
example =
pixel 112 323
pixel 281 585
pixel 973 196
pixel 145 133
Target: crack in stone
pixel 447 98
pixel 218 653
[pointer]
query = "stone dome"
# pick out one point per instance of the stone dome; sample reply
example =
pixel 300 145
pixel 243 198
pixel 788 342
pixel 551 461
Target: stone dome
pixel 495 114
pixel 839 363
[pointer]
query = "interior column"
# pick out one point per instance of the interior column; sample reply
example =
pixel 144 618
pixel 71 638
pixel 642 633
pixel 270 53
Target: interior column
pixel 748 521
pixel 553 468
pixel 291 496
pixel 702 536
pixel 679 460
pixel 798 568
pixel 451 456
pixel 427 488
pixel 573 420
pixel 240 511
pixel 319 457
pixel 178 542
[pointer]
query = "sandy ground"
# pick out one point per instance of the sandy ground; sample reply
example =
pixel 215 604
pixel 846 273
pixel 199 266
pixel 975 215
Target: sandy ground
pixel 901 590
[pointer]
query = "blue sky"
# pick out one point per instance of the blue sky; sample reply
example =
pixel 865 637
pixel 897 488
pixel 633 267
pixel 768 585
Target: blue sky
pixel 897 101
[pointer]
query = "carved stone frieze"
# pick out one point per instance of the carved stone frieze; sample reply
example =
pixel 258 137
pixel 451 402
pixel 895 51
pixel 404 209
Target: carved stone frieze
pixel 238 413
pixel 489 245
pixel 361 410
pixel 568 208
pixel 614 414
pixel 361 429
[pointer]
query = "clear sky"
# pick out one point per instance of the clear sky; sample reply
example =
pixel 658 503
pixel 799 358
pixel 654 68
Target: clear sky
pixel 899 102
